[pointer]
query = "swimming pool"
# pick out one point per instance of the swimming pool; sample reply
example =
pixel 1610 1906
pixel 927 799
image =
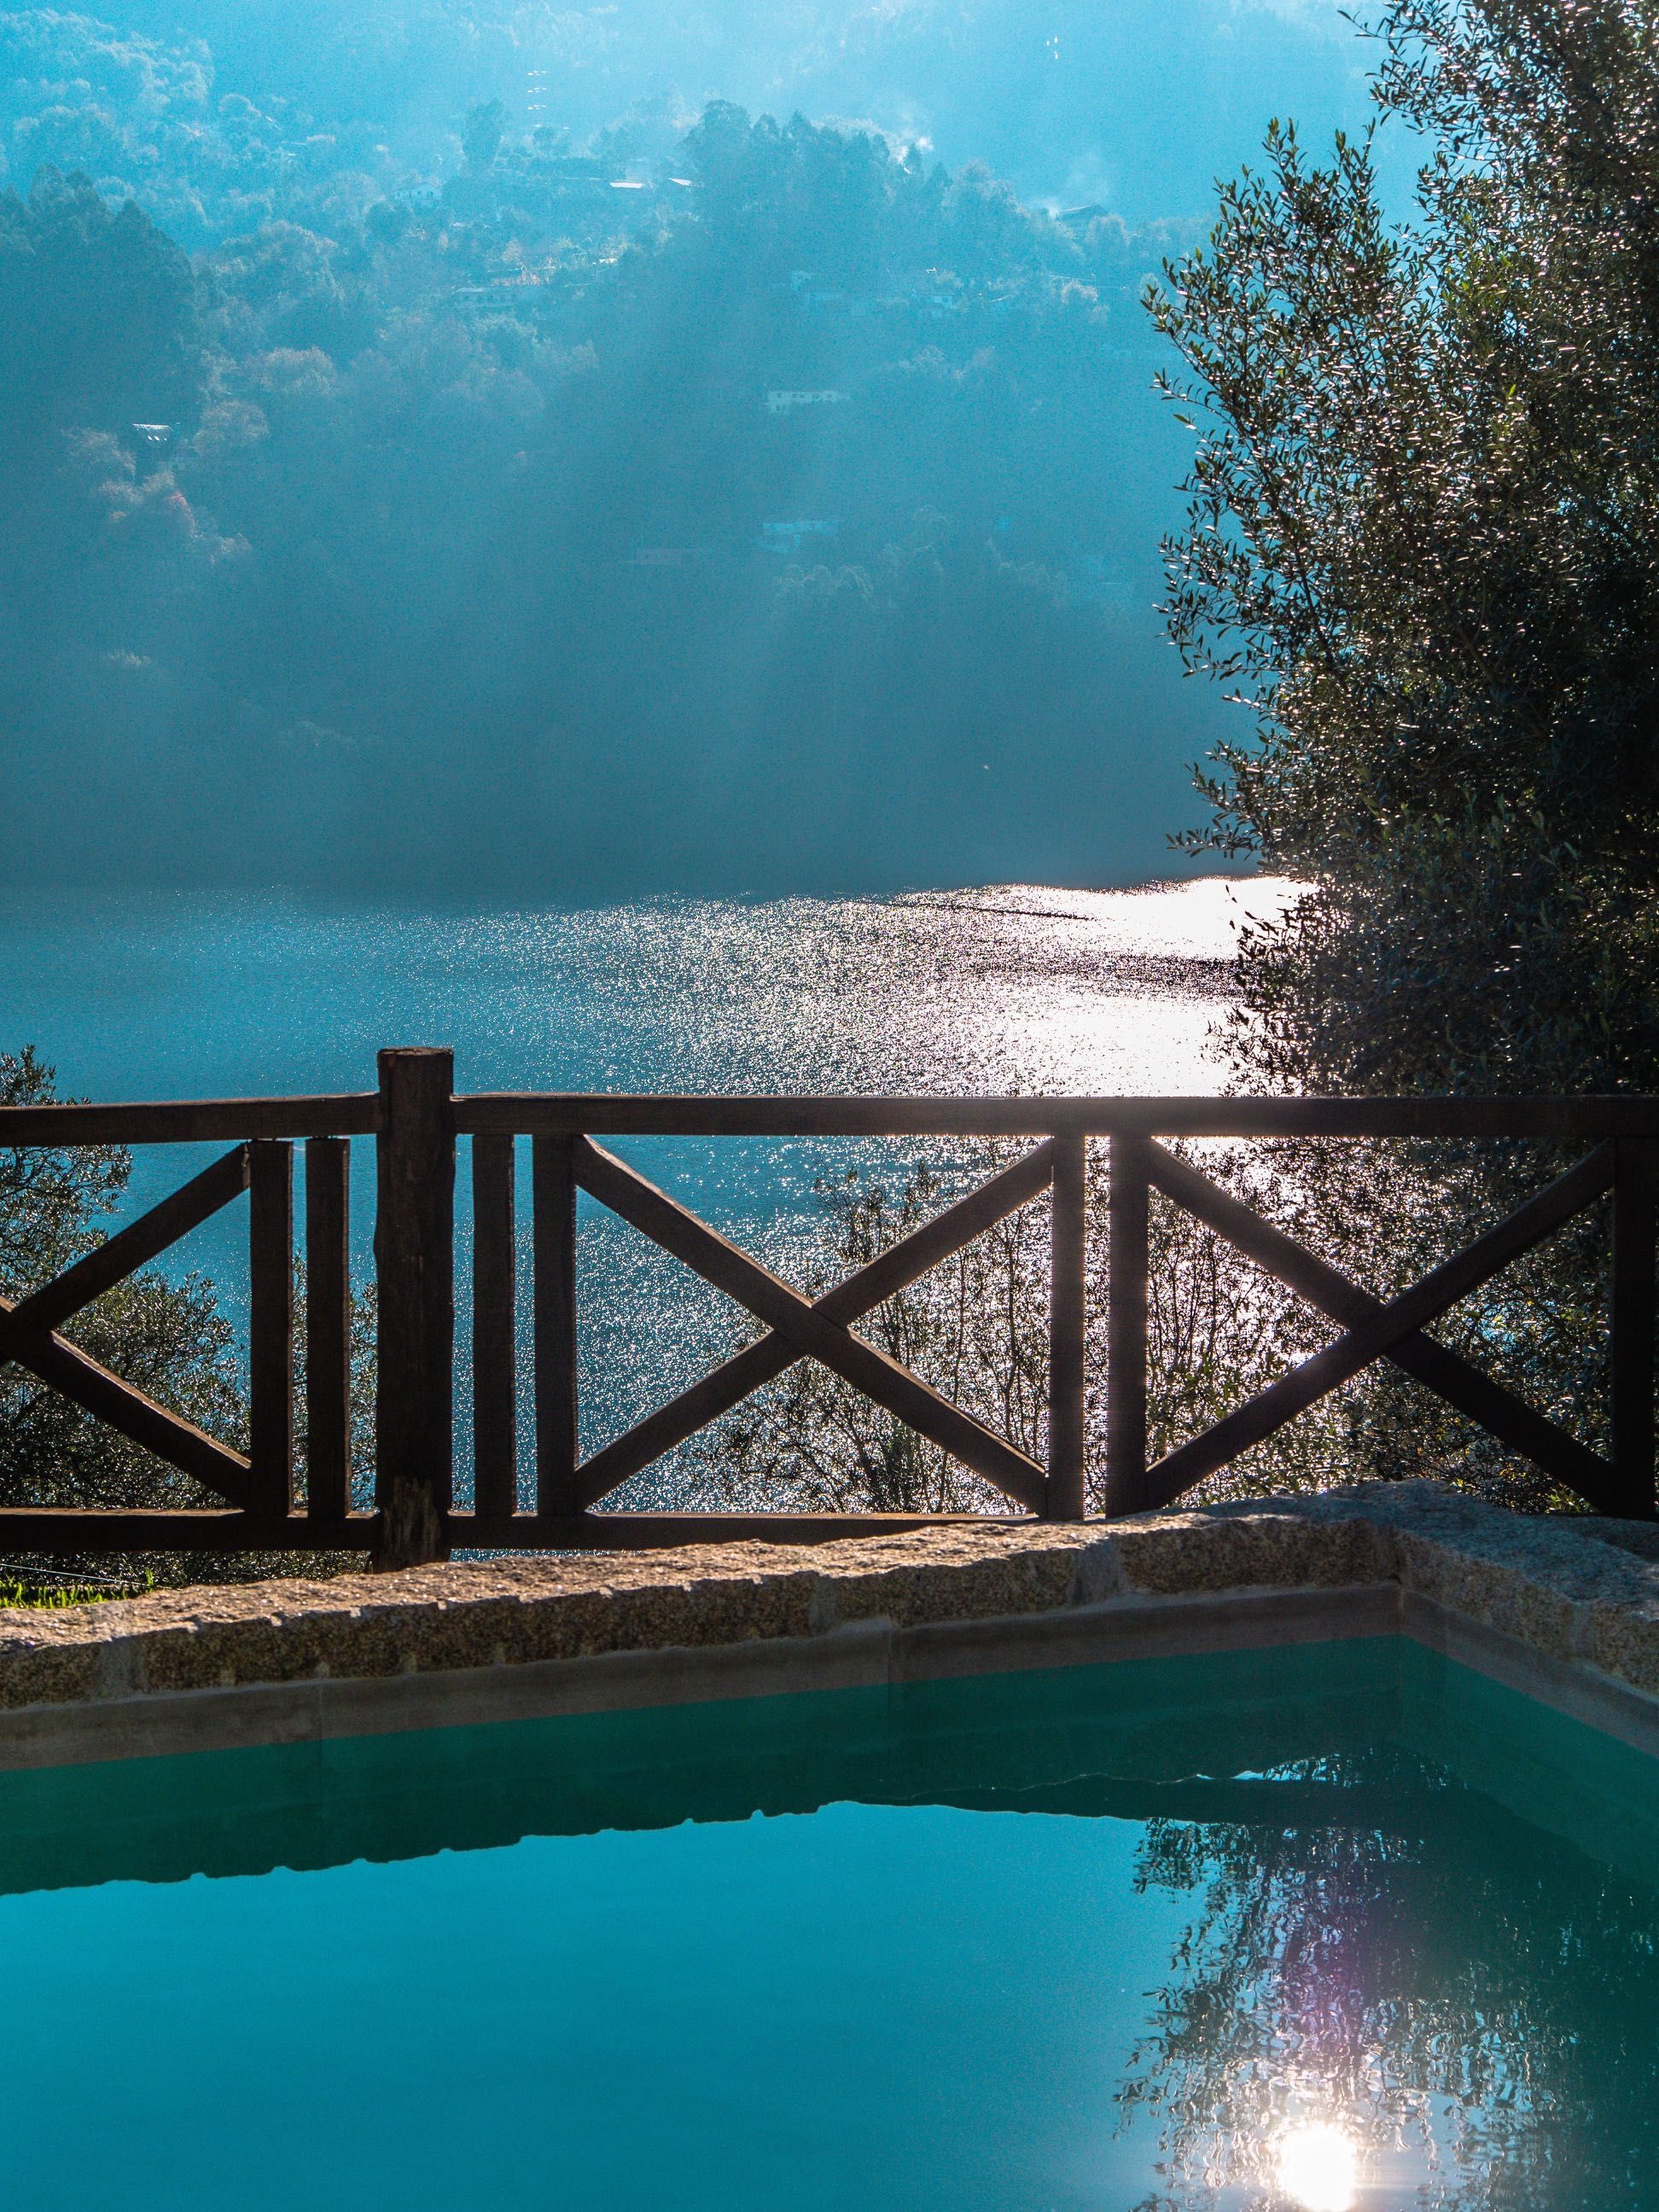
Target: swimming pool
pixel 1334 1924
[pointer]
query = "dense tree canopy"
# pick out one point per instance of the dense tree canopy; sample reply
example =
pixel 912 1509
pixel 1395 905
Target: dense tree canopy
pixel 167 1339
pixel 1422 555
pixel 98 320
pixel 749 506
pixel 1424 550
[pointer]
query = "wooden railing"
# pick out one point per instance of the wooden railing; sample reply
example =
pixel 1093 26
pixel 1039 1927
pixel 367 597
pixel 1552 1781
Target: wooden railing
pixel 415 1119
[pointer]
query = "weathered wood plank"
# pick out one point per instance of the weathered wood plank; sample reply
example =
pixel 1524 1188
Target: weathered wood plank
pixel 328 1328
pixel 1436 1365
pixel 1068 1293
pixel 71 1530
pixel 178 1443
pixel 554 1115
pixel 772 1301
pixel 414 1423
pixel 191 1120
pixel 414 1266
pixel 270 1327
pixel 881 1279
pixel 74 1530
pixel 628 1532
pixel 137 1245
pixel 572 1114
pixel 1125 1328
pixel 1402 1316
pixel 495 1327
pixel 1635 1182
pixel 553 1179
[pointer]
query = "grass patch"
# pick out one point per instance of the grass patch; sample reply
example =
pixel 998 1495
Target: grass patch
pixel 46 1592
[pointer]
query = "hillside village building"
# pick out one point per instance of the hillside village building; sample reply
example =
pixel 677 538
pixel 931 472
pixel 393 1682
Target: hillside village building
pixel 787 402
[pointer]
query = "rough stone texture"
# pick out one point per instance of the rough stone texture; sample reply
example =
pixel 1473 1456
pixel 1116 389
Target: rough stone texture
pixel 1639 1536
pixel 1584 1591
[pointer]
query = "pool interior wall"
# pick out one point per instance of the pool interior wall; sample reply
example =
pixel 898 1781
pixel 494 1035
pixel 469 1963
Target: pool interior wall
pixel 1180 1738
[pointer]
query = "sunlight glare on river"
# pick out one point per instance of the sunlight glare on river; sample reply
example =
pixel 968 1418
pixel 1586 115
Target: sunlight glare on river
pixel 1014 988
pixel 1011 989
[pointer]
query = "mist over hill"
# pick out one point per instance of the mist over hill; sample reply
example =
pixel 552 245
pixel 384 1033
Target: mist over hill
pixel 1070 101
pixel 444 453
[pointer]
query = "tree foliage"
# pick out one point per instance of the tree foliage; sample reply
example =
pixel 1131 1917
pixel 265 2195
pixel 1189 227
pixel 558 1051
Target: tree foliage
pixel 167 1339
pixel 166 1336
pixel 487 517
pixel 1422 553
pixel 1422 557
pixel 97 314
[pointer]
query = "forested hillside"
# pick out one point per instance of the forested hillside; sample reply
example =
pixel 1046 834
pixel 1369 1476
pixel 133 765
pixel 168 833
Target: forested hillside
pixel 574 519
pixel 218 108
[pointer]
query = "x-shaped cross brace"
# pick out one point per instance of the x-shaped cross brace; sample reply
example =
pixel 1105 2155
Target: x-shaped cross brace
pixel 805 1327
pixel 1384 1329
pixel 28 1332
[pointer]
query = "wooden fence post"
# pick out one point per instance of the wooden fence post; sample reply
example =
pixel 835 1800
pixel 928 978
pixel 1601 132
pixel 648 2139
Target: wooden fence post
pixel 1632 1332
pixel 1126 1327
pixel 415 1274
pixel 553 1184
pixel 1067 1496
pixel 328 1328
pixel 495 1327
pixel 270 1328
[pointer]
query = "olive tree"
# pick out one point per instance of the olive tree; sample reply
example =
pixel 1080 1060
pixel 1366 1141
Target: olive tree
pixel 1421 554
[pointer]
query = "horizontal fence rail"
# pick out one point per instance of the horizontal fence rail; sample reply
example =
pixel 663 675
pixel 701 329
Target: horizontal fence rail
pixel 293 1493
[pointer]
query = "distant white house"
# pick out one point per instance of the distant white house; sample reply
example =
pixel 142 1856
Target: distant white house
pixel 817 299
pixel 786 537
pixel 670 556
pixel 1098 580
pixel 787 402
pixel 505 294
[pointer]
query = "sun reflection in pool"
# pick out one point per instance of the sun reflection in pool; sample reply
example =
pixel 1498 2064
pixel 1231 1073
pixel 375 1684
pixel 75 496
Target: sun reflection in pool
pixel 1318 2168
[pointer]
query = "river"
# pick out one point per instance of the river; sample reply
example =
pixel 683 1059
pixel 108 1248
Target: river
pixel 1011 989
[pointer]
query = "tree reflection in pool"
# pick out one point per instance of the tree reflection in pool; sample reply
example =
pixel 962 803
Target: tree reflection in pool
pixel 1471 2003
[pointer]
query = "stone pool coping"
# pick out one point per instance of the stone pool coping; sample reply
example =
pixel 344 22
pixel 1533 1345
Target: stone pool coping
pixel 1564 1608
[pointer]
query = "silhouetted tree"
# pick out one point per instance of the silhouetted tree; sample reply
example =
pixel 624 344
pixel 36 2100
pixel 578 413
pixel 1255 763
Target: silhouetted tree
pixel 486 126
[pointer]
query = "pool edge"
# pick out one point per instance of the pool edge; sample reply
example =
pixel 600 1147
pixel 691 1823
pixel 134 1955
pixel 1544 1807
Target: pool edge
pixel 1564 1611
pixel 864 1655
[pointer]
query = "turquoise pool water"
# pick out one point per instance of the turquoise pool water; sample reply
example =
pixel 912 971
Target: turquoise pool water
pixel 1332 1926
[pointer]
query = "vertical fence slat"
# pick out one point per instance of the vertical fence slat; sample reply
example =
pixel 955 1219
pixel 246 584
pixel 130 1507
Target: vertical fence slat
pixel 495 1318
pixel 328 1328
pixel 1633 1227
pixel 271 1326
pixel 554 1191
pixel 1126 1327
pixel 414 1278
pixel 1068 1322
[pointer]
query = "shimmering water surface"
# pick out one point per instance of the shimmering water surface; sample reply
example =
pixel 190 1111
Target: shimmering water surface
pixel 1336 1927
pixel 1011 989
pixel 1014 988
